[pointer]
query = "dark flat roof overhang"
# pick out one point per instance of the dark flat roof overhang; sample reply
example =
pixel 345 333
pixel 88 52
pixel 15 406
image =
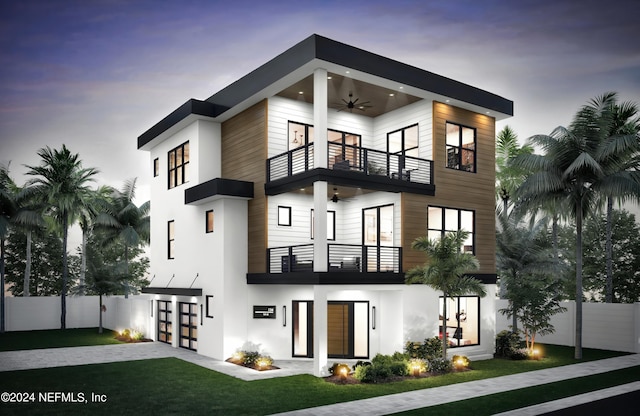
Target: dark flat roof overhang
pixel 177 291
pixel 316 47
pixel 218 188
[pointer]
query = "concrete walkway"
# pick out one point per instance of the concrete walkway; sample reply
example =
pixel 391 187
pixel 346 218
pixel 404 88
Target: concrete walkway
pixel 383 405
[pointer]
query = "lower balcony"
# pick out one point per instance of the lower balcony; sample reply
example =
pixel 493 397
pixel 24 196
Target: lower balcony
pixel 347 264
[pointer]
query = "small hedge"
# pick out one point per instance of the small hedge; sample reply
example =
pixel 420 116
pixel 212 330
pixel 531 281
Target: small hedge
pixel 507 344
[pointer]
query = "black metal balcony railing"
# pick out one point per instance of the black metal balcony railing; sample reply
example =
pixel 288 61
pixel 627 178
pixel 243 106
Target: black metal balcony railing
pixel 355 159
pixel 342 258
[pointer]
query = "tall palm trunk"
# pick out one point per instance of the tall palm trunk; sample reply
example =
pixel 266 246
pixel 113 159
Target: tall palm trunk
pixel 27 267
pixel 578 339
pixel 608 291
pixel 444 327
pixel 100 320
pixel 65 271
pixel 83 262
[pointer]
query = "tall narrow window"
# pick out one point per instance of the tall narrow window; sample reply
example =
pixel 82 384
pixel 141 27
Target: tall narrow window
pixel 179 165
pixel 171 239
pixel 461 147
pixel 156 167
pixel 209 221
pixel 443 220
pixel 331 225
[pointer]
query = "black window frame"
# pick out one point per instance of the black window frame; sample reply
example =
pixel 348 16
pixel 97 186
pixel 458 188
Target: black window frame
pixel 445 230
pixel 208 229
pixel 457 156
pixel 191 338
pixel 403 149
pixel 178 173
pixel 171 240
pixel 459 332
pixel 302 136
pixel 289 215
pixel 164 306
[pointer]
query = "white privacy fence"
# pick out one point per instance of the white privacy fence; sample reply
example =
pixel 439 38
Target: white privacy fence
pixel 607 326
pixel 43 312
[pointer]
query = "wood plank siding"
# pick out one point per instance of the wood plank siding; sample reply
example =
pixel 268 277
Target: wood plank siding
pixel 457 189
pixel 244 150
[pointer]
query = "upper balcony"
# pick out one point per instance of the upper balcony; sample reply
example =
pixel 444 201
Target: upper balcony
pixel 350 165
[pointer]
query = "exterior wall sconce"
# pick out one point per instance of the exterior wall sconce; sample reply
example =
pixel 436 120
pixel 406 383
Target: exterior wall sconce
pixel 373 317
pixel 284 315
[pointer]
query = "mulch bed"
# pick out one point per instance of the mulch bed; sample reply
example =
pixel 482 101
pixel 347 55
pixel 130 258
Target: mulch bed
pixel 253 367
pixel 131 341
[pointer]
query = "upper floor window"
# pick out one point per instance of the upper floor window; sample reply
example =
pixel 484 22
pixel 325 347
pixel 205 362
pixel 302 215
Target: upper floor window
pixel 343 149
pixel 171 239
pixel 404 141
pixel 209 221
pixel 461 147
pixel 443 220
pixel 179 165
pixel 156 167
pixel 299 134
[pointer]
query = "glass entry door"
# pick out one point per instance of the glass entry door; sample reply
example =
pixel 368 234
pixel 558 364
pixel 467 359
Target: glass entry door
pixel 378 234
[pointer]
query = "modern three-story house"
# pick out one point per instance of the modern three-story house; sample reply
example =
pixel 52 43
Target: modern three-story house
pixel 285 205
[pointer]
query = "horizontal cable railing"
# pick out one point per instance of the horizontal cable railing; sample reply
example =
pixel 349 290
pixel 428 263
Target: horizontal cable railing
pixel 342 258
pixel 290 163
pixel 352 158
pixel 290 259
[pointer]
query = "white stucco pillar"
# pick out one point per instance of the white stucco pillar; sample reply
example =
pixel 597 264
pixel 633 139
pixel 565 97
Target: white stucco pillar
pixel 320 108
pixel 320 247
pixel 320 350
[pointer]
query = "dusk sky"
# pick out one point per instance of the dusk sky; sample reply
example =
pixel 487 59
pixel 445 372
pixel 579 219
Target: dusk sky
pixel 96 74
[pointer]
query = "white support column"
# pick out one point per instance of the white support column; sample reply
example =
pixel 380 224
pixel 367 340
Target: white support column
pixel 320 350
pixel 320 108
pixel 320 247
pixel 320 146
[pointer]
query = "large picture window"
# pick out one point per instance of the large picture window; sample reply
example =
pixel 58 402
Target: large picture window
pixel 461 147
pixel 442 220
pixel 179 165
pixel 462 321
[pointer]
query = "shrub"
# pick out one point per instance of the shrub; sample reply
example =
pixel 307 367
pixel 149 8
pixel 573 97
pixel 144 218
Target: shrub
pixel 440 365
pixel 507 343
pixel 426 350
pixel 249 358
pixel 520 354
pixel 360 363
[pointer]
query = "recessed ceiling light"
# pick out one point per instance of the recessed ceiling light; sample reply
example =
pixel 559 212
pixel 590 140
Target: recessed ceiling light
pixel 391 94
pixel 401 87
pixel 329 77
pixel 448 101
pixel 300 92
pixel 347 72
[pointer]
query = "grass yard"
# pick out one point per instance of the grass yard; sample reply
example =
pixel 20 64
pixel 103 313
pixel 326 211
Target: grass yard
pixel 171 386
pixel 55 338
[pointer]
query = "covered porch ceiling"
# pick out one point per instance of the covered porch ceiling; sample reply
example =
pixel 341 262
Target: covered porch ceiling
pixel 372 100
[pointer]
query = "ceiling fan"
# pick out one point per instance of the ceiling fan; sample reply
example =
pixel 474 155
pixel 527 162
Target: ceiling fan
pixel 351 104
pixel 335 198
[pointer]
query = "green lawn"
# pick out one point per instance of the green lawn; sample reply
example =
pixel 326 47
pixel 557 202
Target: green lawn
pixel 172 386
pixel 55 338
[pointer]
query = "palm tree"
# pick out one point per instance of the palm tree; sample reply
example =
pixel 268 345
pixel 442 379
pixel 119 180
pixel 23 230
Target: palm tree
pixel 521 253
pixel 96 203
pixel 8 209
pixel 574 170
pixel 508 176
pixel 127 222
pixel 61 184
pixel 446 270
pixel 617 120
